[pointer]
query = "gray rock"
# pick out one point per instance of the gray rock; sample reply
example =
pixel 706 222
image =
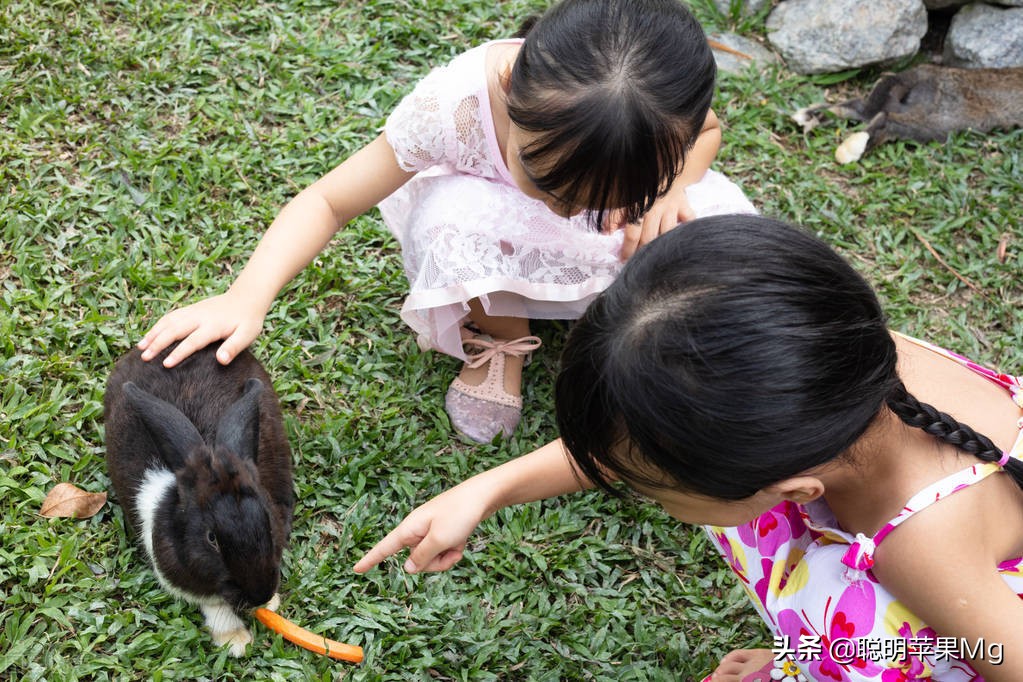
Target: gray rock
pixel 749 7
pixel 751 53
pixel 985 36
pixel 823 36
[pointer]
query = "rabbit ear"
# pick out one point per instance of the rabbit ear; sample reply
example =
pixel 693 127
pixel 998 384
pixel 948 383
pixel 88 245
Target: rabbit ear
pixel 174 434
pixel 238 429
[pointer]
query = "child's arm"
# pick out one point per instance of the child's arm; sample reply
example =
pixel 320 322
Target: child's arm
pixel 301 230
pixel 438 530
pixel 673 207
pixel 953 586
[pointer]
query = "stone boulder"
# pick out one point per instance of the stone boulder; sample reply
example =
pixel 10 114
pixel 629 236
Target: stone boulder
pixel 985 36
pixel 749 7
pixel 824 36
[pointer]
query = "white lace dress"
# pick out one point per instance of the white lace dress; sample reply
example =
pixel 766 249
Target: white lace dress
pixel 466 231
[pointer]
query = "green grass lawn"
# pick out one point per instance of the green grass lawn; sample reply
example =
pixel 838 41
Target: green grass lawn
pixel 145 146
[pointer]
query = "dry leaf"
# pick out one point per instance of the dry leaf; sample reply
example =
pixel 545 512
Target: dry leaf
pixel 66 500
pixel 1003 248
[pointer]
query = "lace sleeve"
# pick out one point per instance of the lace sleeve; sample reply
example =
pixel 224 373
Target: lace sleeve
pixel 415 129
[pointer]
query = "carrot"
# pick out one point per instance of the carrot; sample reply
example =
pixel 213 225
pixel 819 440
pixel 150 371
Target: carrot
pixel 307 640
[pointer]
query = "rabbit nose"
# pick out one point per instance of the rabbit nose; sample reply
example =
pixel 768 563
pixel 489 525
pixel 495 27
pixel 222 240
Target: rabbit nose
pixel 251 599
pixel 261 592
pixel 261 598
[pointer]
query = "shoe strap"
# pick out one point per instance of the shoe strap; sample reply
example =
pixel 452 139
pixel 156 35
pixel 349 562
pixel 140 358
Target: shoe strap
pixel 481 349
pixel 492 388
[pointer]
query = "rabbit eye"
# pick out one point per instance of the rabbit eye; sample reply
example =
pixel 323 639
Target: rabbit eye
pixel 212 539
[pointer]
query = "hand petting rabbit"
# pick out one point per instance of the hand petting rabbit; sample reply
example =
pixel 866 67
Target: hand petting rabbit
pixel 200 462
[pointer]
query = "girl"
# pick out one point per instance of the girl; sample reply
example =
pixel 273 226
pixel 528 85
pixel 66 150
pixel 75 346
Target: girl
pixel 496 175
pixel 865 487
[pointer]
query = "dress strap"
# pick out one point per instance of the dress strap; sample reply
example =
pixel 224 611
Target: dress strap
pixel 860 555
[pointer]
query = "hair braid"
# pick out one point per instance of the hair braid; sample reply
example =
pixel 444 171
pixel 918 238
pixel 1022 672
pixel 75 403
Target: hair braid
pixel 946 428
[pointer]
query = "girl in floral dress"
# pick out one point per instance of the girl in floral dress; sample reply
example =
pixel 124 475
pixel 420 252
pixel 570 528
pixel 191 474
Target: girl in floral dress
pixel 516 179
pixel 865 487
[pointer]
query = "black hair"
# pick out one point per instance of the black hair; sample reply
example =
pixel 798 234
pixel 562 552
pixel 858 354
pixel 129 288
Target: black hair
pixel 730 354
pixel 617 91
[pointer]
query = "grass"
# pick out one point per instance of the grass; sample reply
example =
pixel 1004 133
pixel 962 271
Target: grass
pixel 144 148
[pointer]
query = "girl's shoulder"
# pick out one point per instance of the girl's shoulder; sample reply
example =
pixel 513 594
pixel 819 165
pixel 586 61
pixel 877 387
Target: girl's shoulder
pixel 950 570
pixel 1013 384
pixel 986 400
pixel 473 61
pixel 447 119
pixel 449 85
pixel 981 521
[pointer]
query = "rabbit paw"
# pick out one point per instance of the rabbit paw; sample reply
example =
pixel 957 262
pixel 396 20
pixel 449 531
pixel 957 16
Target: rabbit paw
pixel 274 603
pixel 852 148
pixel 227 628
pixel 238 639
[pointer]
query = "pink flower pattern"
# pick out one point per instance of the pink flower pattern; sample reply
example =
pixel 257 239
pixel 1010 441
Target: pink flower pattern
pixel 827 592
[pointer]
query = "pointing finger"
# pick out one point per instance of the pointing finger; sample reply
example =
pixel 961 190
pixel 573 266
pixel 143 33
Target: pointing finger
pixel 393 542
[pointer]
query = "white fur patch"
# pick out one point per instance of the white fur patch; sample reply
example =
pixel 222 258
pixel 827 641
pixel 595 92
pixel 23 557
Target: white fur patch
pixel 227 628
pixel 224 624
pixel 852 147
pixel 157 484
pixel 804 119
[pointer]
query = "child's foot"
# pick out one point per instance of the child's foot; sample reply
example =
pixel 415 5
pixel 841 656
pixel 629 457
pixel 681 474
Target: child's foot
pixel 755 665
pixel 486 398
pixel 474 376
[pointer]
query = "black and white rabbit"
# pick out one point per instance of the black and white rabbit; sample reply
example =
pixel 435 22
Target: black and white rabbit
pixel 201 465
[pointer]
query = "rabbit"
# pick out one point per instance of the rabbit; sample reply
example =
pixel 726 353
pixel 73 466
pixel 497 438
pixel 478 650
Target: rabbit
pixel 926 103
pixel 201 465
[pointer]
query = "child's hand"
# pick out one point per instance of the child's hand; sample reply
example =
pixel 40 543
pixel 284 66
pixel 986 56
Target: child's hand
pixel 666 213
pixel 436 531
pixel 219 317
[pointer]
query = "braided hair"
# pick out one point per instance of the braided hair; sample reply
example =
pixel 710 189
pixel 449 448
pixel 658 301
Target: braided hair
pixel 732 353
pixel 948 429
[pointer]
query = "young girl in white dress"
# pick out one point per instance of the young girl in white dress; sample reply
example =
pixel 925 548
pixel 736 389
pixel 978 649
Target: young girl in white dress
pixel 516 179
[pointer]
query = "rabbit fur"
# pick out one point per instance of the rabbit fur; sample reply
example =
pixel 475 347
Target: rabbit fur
pixel 201 466
pixel 926 103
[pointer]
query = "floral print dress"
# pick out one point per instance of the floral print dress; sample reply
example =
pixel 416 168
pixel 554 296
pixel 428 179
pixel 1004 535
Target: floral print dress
pixel 812 584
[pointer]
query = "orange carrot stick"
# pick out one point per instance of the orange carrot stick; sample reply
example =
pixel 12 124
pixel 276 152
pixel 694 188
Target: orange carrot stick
pixel 307 640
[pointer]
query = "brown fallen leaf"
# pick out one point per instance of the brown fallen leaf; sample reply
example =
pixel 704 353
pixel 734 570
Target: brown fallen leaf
pixel 66 500
pixel 1003 248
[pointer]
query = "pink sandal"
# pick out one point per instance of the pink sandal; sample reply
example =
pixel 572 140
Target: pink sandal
pixel 481 412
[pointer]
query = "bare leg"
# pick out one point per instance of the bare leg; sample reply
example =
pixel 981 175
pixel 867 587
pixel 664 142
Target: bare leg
pixel 506 329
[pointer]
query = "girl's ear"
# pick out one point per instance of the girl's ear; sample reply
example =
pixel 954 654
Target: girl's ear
pixel 798 489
